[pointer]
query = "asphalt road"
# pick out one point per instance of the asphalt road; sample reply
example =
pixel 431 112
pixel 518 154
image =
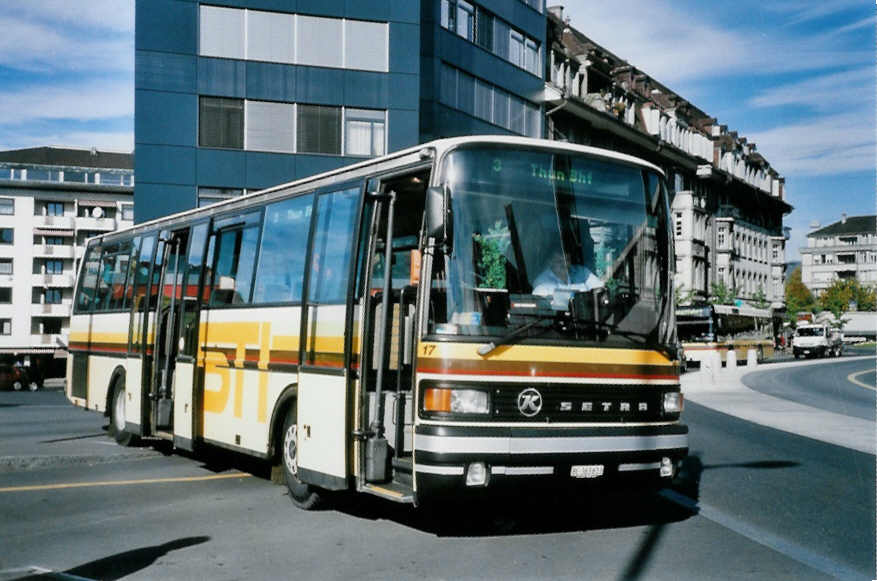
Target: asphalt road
pixel 759 504
pixel 827 387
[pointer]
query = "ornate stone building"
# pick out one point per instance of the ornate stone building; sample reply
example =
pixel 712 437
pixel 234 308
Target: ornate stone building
pixel 728 202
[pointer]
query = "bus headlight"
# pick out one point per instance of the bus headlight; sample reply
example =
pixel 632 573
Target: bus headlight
pixel 456 401
pixel 673 402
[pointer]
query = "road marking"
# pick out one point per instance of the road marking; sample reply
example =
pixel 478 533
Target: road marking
pixel 852 378
pixel 27 572
pixel 123 482
pixel 756 534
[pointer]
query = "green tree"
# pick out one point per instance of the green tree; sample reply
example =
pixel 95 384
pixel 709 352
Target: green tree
pixel 684 297
pixel 798 297
pixel 491 261
pixel 842 292
pixel 759 299
pixel 722 294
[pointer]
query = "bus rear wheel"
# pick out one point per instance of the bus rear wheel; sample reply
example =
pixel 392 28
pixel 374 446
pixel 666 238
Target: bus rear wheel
pixel 303 495
pixel 117 416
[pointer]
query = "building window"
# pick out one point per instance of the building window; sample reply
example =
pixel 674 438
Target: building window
pixel 51 326
pixel 516 48
pixel 491 33
pixel 465 20
pixel 270 126
pixel 53 241
pixel 54 266
pixel 54 208
pixel 222 32
pixel 52 296
pixel 364 132
pixel 7 206
pixel 319 42
pixel 207 196
pixel 221 122
pixel 484 29
pixel 319 129
pixel 5 266
pixel 7 235
pixel 270 37
pixel 5 326
pixel 365 45
pixel 128 212
pixel 531 57
pixel 5 295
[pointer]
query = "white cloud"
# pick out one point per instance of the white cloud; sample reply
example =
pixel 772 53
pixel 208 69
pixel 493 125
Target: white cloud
pixel 34 46
pixel 823 93
pixel 825 145
pixel 676 46
pixel 81 101
pixel 114 15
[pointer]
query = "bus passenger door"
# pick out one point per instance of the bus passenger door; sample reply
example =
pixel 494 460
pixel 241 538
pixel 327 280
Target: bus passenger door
pixel 184 344
pixel 388 313
pixel 324 404
pixel 163 315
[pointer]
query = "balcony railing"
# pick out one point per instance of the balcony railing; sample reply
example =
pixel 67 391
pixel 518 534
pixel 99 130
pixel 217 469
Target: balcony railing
pixel 101 224
pixel 51 310
pixel 53 251
pixel 45 339
pixel 65 222
pixel 53 280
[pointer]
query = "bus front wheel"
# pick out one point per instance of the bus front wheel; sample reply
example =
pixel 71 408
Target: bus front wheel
pixel 117 416
pixel 303 495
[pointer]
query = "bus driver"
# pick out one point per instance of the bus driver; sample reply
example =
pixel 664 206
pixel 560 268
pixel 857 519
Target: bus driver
pixel 560 276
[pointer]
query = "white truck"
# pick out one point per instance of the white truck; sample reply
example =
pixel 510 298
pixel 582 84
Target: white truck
pixel 817 340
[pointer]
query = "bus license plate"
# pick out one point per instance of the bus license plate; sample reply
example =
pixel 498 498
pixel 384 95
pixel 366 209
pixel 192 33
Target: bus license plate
pixel 586 471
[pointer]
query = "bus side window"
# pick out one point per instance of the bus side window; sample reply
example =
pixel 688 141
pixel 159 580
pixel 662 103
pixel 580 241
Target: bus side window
pixel 88 282
pixel 330 263
pixel 236 258
pixel 105 278
pixel 284 246
pixel 132 270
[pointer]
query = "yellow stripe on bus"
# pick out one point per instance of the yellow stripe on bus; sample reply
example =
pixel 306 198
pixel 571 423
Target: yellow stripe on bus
pixel 540 353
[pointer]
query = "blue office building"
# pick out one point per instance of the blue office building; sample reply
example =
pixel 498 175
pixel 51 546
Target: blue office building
pixel 238 95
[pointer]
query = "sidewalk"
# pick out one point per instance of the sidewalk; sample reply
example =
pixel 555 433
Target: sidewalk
pixel 723 390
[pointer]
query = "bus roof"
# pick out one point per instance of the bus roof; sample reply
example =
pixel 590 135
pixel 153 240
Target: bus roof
pixel 432 149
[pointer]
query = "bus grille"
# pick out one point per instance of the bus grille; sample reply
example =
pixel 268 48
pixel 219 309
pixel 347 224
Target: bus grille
pixel 580 403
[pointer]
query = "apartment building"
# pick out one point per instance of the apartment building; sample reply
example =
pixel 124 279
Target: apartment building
pixel 728 202
pixel 51 200
pixel 238 95
pixel 844 249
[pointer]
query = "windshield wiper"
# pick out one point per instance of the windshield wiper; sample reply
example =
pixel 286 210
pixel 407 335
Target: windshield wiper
pixel 514 334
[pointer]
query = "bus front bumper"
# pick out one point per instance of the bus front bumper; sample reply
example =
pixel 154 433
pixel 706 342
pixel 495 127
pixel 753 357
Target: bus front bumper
pixel 449 458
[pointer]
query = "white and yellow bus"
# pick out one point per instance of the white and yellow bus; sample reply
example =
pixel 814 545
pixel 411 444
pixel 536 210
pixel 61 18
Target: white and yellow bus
pixel 708 331
pixel 272 325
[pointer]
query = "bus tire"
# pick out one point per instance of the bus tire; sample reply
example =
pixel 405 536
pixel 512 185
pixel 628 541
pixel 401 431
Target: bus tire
pixel 117 415
pixel 304 496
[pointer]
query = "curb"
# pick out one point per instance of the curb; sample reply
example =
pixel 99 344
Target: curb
pixel 16 463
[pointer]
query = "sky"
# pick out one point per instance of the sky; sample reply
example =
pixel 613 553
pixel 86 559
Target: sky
pixel 797 78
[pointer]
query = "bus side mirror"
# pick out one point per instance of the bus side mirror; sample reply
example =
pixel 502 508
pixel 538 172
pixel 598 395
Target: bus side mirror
pixel 439 220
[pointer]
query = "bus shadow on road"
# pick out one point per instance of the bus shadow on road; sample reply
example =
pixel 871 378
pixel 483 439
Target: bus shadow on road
pixel 525 514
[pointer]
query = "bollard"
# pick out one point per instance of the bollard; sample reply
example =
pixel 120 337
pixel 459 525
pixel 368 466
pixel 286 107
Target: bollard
pixel 751 358
pixel 715 365
pixel 731 359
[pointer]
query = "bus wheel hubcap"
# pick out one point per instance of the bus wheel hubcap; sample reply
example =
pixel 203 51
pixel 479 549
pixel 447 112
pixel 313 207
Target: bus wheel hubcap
pixel 289 450
pixel 119 411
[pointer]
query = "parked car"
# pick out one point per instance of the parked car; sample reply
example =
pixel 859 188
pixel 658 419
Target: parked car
pixel 17 378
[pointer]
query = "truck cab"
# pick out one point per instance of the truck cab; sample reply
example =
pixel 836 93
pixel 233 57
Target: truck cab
pixel 817 340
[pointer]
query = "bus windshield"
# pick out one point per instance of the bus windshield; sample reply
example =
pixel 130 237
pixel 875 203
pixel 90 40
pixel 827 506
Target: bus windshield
pixel 558 244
